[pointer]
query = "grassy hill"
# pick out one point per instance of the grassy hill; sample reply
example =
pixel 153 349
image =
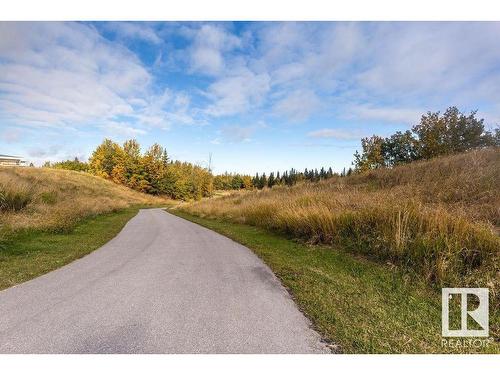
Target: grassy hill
pixel 55 199
pixel 429 224
pixel 50 217
pixel 437 217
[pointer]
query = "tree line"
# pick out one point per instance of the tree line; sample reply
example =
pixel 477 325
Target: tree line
pixel 291 177
pixel 150 172
pixel 74 165
pixel 236 181
pixel 153 172
pixel 436 135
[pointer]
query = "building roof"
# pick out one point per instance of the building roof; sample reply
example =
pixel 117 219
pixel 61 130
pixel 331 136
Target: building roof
pixel 10 157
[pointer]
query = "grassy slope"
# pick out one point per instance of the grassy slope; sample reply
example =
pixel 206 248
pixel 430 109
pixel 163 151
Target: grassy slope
pixel 29 254
pixel 432 222
pixel 359 305
pixel 51 217
pixel 55 200
pixel 436 218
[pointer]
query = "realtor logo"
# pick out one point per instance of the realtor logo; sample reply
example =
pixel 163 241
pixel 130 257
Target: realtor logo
pixel 479 315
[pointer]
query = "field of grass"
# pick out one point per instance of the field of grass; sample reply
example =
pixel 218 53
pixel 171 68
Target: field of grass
pixel 438 218
pixel 358 305
pixel 436 221
pixel 50 217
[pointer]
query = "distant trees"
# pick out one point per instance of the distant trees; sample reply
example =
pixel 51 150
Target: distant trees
pixel 291 177
pixel 75 165
pixel 271 181
pixel 152 172
pixel 229 181
pixel 435 135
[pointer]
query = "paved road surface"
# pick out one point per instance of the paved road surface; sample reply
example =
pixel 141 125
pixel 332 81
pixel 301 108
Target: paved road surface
pixel 163 285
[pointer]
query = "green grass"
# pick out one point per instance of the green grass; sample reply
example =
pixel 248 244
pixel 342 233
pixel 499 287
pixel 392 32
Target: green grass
pixel 358 305
pixel 31 253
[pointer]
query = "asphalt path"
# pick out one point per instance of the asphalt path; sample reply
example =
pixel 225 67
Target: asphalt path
pixel 162 285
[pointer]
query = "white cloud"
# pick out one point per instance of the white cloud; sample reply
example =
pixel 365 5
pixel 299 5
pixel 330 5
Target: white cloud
pixel 298 105
pixel 65 73
pixel 215 141
pixel 11 135
pixel 209 43
pixel 121 129
pixel 341 134
pixel 131 30
pixel 54 153
pixel 237 93
pixel 406 116
pixel 237 134
pixel 430 59
pixel 423 65
pixel 165 110
pixel 42 152
pixel 207 60
pixel 306 54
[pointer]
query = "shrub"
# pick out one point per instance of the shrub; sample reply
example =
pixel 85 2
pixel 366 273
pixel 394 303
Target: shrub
pixel 15 198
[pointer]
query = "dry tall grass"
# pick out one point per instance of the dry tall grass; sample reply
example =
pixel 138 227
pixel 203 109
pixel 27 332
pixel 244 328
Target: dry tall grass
pixel 51 199
pixel 436 217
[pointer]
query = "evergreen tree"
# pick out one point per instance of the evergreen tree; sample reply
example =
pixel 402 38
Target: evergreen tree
pixel 322 174
pixel 263 181
pixel 271 180
pixel 256 181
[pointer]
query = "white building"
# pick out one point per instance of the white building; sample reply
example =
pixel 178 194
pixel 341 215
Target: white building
pixel 9 160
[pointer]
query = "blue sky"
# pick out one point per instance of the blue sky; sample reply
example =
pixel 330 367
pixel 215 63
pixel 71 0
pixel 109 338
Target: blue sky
pixel 258 96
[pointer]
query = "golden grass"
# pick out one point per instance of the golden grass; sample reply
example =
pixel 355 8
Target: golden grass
pixel 54 200
pixel 436 218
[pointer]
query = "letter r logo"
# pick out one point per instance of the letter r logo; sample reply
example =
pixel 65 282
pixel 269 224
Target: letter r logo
pixel 480 315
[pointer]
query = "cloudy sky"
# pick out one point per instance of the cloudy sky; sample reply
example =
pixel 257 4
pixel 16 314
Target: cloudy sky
pixel 258 96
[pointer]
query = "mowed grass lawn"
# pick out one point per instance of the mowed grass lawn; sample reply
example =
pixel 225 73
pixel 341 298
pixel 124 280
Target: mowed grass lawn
pixel 358 305
pixel 31 253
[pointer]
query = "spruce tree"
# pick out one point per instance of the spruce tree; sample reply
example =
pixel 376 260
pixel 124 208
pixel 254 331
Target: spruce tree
pixel 322 174
pixel 271 181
